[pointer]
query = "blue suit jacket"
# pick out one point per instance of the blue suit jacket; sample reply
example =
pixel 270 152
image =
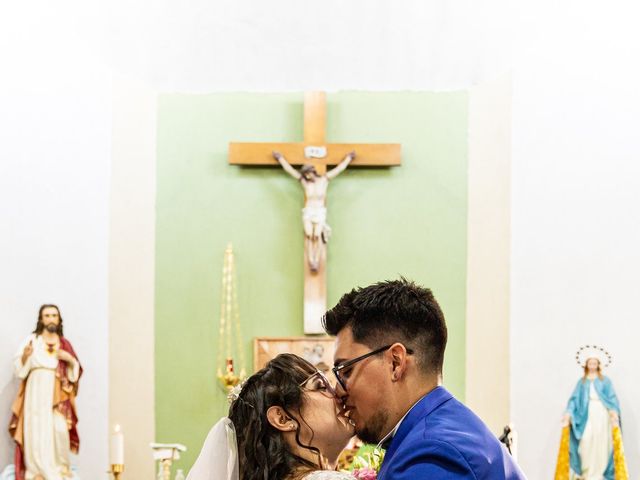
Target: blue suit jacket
pixel 440 438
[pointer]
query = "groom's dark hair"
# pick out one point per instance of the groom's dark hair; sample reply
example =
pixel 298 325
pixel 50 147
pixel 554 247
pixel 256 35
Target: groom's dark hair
pixel 393 311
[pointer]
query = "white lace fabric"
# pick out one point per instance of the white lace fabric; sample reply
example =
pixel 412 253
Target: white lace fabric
pixel 328 475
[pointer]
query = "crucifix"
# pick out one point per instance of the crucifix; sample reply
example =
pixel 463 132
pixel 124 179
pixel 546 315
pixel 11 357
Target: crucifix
pixel 314 155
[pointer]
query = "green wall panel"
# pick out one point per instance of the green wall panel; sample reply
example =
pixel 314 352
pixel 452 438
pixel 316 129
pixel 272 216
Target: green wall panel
pixel 409 220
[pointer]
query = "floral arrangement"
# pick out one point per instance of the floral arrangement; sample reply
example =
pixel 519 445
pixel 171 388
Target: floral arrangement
pixel 367 465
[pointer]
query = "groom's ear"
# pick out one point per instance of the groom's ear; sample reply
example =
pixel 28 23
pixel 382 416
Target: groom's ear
pixel 398 353
pixel 279 419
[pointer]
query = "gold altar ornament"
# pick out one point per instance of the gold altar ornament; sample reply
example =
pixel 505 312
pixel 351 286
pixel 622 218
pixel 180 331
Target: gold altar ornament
pixel 229 337
pixel 116 470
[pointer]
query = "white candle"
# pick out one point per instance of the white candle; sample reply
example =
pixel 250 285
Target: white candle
pixel 116 451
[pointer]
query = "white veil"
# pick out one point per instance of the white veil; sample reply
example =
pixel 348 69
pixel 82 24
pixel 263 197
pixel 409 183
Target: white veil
pixel 218 459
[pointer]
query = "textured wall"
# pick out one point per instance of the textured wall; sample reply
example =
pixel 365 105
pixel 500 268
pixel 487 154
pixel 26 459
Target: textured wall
pixel 409 220
pixel 131 273
pixel 489 253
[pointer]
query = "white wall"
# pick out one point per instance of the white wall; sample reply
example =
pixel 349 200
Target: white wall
pixel 487 377
pixel 282 45
pixel 576 216
pixel 132 272
pixel 55 120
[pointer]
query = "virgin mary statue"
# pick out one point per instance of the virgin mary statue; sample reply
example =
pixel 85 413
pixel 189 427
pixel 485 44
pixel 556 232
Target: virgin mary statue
pixel 592 424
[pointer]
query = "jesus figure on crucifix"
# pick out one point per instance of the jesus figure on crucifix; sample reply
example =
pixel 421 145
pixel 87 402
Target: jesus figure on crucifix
pixel 314 213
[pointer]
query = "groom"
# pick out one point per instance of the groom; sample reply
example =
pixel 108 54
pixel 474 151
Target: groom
pixel 390 342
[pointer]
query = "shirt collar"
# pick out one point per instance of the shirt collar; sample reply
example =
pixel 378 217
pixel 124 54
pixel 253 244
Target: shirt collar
pixel 389 436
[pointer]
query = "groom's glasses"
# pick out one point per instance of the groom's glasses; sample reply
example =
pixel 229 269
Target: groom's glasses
pixel 317 382
pixel 342 371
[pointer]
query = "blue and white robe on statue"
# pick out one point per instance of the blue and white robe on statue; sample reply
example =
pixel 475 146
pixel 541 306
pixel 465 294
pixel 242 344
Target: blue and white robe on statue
pixel 590 444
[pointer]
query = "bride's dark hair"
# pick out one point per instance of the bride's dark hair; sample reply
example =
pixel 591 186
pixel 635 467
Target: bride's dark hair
pixel 262 450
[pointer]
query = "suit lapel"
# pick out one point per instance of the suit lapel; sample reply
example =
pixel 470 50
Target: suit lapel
pixel 430 402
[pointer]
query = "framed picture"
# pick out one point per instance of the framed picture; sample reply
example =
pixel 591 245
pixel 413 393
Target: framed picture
pixel 316 350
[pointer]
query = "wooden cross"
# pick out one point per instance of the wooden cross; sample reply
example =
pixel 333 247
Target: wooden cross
pixel 314 151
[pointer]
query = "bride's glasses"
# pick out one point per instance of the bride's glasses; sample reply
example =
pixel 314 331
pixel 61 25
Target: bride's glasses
pixel 318 382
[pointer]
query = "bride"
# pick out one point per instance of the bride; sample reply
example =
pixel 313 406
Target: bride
pixel 285 423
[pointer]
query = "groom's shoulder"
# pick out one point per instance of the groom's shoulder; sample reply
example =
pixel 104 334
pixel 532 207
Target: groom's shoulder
pixel 452 422
pixel 454 413
pixel 454 432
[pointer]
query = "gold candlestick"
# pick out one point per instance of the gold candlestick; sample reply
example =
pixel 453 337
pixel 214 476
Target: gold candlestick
pixel 116 470
pixel 229 336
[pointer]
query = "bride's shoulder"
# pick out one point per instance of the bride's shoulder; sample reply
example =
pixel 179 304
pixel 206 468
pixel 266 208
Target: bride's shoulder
pixel 328 475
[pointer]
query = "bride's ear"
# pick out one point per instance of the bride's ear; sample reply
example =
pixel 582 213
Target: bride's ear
pixel 279 419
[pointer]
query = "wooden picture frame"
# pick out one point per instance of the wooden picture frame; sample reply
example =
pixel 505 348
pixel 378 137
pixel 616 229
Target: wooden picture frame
pixel 317 350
